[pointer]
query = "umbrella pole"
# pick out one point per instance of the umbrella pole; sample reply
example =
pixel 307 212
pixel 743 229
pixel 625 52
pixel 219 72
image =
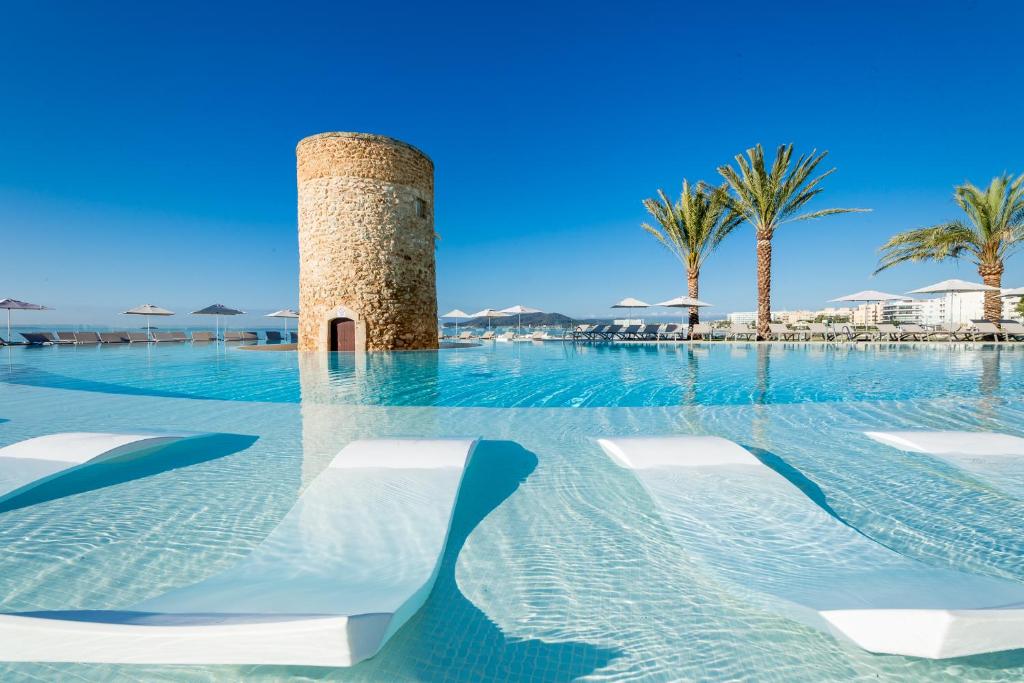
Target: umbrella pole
pixel 8 325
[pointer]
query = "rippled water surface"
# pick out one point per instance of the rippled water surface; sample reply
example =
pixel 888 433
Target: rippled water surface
pixel 559 566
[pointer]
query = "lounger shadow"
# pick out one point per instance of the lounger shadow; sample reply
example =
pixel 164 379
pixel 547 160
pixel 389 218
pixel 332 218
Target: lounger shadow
pixel 451 628
pixel 143 457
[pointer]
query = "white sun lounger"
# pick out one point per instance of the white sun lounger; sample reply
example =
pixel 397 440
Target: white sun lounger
pixel 351 562
pixel 782 551
pixel 997 458
pixel 26 464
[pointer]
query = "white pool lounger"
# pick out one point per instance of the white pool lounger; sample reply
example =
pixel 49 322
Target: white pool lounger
pixel 780 549
pixel 998 458
pixel 348 565
pixel 27 464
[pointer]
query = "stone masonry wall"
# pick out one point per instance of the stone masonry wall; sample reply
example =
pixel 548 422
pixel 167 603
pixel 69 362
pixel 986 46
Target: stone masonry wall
pixel 363 244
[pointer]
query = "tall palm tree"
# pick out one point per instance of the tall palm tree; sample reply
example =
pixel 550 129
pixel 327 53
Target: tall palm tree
pixel 691 228
pixel 994 229
pixel 767 198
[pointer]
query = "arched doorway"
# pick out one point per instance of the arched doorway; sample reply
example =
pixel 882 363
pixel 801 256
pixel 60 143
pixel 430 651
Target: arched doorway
pixel 342 334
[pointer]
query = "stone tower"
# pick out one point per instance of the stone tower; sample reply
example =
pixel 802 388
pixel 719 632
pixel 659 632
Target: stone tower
pixel 366 244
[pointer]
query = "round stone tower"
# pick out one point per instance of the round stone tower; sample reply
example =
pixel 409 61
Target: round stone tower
pixel 366 244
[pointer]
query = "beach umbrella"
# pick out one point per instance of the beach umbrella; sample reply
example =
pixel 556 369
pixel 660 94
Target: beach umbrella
pixel 950 287
pixel 684 302
pixel 518 310
pixel 15 305
pixel 148 310
pixel 285 313
pixel 218 310
pixel 489 313
pixel 457 315
pixel 631 303
pixel 871 295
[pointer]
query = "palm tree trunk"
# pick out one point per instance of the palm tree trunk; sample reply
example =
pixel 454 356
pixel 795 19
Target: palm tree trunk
pixel 992 275
pixel 764 286
pixel 692 276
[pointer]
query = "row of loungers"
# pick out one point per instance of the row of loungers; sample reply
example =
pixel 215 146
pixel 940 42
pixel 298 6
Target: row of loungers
pixel 331 584
pixel 38 338
pixel 978 330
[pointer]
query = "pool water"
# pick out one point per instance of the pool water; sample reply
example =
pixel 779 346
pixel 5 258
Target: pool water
pixel 559 565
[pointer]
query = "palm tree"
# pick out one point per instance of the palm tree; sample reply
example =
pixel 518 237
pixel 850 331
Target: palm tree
pixel 692 228
pixel 993 230
pixel 767 198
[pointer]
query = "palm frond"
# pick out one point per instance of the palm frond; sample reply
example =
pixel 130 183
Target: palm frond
pixel 769 197
pixel 692 227
pixel 994 228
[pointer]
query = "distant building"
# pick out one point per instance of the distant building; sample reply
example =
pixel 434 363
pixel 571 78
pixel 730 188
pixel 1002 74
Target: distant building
pixel 744 318
pixel 1010 308
pixel 956 308
pixel 867 314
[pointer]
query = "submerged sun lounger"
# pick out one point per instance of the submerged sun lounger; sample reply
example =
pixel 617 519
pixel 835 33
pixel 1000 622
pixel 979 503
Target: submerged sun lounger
pixel 27 464
pixel 351 562
pixel 782 551
pixel 997 458
pixel 39 338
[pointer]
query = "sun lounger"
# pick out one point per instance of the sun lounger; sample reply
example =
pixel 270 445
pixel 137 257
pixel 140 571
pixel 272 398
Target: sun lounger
pixel 981 330
pixel 38 338
pixel 64 337
pixel 673 331
pixel 352 561
pixel 611 332
pixel 4 342
pixel 232 336
pixel 138 337
pixel 488 335
pixel 1013 329
pixel 820 330
pixel 87 338
pixel 780 551
pixel 113 337
pixel 782 332
pixel 704 331
pixel 914 332
pixel 629 332
pixel 273 337
pixel 294 337
pixel 202 337
pixel 597 331
pixel 996 458
pixel 736 330
pixel 888 332
pixel 250 337
pixel 169 337
pixel 27 464
pixel 648 332
pixel 466 336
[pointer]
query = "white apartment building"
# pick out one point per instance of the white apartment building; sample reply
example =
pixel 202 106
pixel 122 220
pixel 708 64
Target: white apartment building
pixel 954 308
pixel 746 317
pixel 867 314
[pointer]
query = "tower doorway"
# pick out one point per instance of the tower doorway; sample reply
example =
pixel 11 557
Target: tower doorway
pixel 342 334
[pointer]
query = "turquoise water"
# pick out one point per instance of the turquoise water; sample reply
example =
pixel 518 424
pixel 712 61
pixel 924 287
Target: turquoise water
pixel 560 567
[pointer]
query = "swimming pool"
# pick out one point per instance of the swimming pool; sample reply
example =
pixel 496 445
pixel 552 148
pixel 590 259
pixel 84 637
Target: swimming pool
pixel 559 566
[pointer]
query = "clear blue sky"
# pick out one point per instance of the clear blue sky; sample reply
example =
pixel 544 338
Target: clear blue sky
pixel 147 153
